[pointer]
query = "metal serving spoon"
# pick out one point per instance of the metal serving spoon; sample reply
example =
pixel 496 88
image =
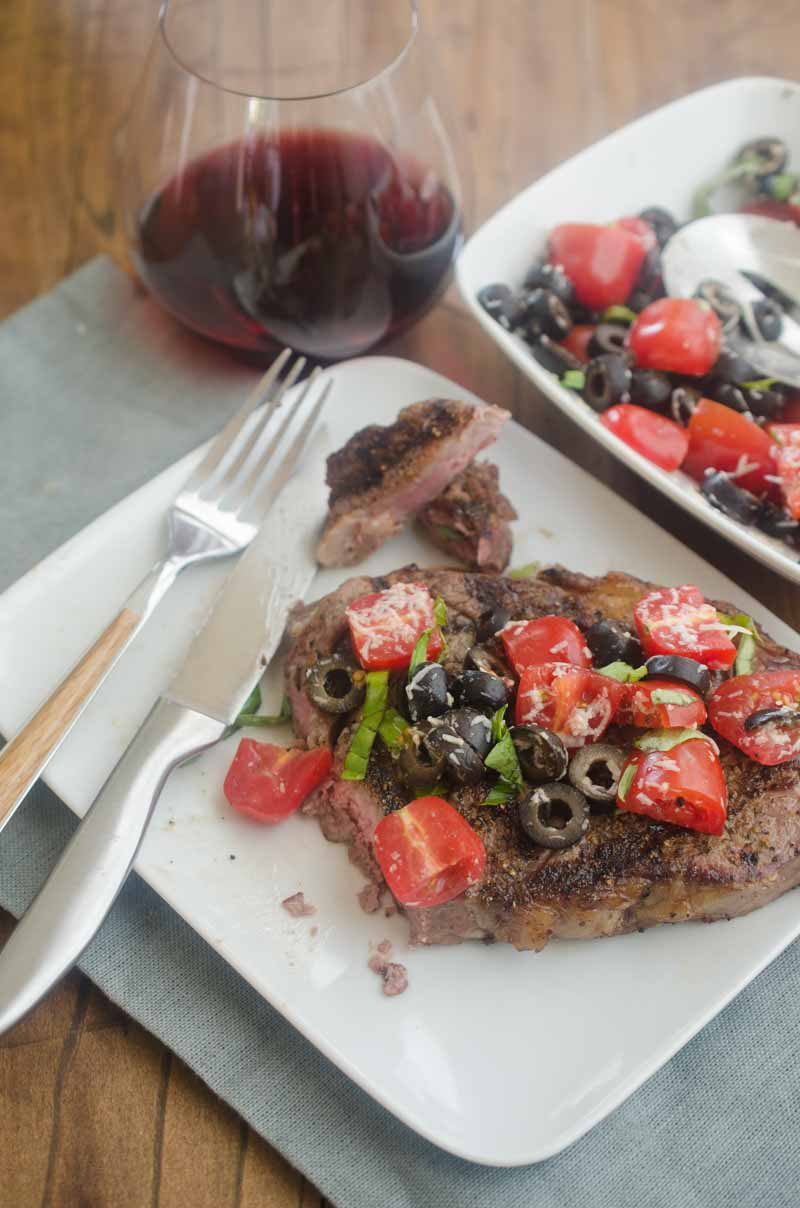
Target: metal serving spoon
pixel 722 248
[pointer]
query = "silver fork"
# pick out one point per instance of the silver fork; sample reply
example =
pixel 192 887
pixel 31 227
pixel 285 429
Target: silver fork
pixel 216 514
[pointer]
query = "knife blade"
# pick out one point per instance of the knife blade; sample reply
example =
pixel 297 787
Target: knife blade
pixel 225 661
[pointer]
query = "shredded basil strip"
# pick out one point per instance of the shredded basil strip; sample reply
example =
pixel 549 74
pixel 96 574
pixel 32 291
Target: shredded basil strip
pixel 524 572
pixel 419 654
pixel 501 793
pixel 670 696
pixel 503 759
pixel 665 740
pixel 440 612
pixel 574 379
pixel 625 781
pixel 374 707
pixel 623 672
pixel 761 384
pixel 250 716
pixel 392 728
pixel 447 533
pixel 619 314
pixel 745 626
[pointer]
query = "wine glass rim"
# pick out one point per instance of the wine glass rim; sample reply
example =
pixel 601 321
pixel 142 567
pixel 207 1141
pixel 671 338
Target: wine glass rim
pixel 386 70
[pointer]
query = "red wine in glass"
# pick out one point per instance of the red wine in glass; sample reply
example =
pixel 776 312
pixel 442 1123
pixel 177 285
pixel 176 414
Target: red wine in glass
pixel 315 238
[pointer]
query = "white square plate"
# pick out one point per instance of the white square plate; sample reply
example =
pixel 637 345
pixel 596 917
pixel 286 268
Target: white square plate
pixel 455 1057
pixel 660 159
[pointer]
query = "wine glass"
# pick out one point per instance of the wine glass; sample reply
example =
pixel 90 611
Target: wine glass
pixel 288 172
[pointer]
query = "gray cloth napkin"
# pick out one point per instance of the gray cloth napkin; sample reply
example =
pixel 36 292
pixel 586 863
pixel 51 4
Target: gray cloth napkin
pixel 99 392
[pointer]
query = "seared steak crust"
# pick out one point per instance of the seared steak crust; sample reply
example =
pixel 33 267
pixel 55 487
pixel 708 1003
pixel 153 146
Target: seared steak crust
pixel 628 872
pixel 384 475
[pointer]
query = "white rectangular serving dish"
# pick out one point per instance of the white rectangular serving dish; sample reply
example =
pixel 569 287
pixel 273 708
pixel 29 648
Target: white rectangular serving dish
pixel 659 159
pixel 500 1100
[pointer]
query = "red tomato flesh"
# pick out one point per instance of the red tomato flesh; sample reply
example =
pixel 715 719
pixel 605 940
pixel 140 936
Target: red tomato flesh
pixel 386 626
pixel 577 342
pixel 787 464
pixel 736 699
pixel 685 785
pixel 268 783
pixel 575 703
pixel 641 230
pixel 678 335
pixel 657 438
pixel 602 262
pixel 677 620
pixel 637 707
pixel 428 852
pixel 722 439
pixel 545 640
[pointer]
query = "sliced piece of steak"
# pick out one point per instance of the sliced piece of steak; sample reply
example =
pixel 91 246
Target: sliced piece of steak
pixel 470 519
pixel 384 475
pixel 628 872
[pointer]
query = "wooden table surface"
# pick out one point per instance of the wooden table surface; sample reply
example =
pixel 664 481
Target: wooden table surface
pixel 93 1111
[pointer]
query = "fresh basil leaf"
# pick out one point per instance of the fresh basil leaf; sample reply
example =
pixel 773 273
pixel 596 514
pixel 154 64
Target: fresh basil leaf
pixel 524 572
pixel 503 759
pixel 745 626
pixel 419 655
pixel 501 793
pixel 499 726
pixel 625 781
pixel 440 612
pixel 392 729
pixel 665 740
pixel 670 696
pixel 573 379
pixel 623 672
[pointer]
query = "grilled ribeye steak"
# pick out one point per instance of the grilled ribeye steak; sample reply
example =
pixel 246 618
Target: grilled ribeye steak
pixel 384 475
pixel 628 872
pixel 470 519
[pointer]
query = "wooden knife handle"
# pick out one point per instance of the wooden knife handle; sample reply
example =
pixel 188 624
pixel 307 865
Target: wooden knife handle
pixel 25 756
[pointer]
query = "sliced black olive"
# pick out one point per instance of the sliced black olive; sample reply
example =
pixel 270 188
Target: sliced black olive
pixel 474 727
pixel 595 770
pixel 650 388
pixel 419 763
pixel 552 356
pixel 427 692
pixel 462 763
pixel 611 642
pixel 766 155
pixel 767 315
pixel 492 622
pixel 541 753
pixel 554 815
pixel 683 403
pixel 723 304
pixel 727 394
pixel 784 715
pixel 677 667
pixel 608 381
pixel 608 337
pixel 731 367
pixel 551 277
pixel 483 690
pixel 662 222
pixel 765 403
pixel 638 299
pixel 335 684
pixel 722 493
pixel 650 272
pixel 546 314
pixel 499 302
pixel 776 522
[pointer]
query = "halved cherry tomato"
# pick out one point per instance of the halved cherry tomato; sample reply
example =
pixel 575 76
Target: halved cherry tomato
pixel 722 439
pixel 787 463
pixel 656 704
pixel 545 640
pixel 783 211
pixel 657 438
pixel 602 262
pixel 428 852
pixel 641 230
pixel 677 620
pixel 386 625
pixel 737 699
pixel 576 704
pixel 678 335
pixel 269 783
pixel 685 785
pixel 577 342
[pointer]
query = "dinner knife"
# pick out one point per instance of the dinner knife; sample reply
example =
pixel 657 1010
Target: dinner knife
pixel 225 662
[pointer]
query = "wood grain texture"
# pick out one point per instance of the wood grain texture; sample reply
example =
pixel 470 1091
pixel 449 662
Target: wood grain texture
pixel 28 751
pixel 93 1112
